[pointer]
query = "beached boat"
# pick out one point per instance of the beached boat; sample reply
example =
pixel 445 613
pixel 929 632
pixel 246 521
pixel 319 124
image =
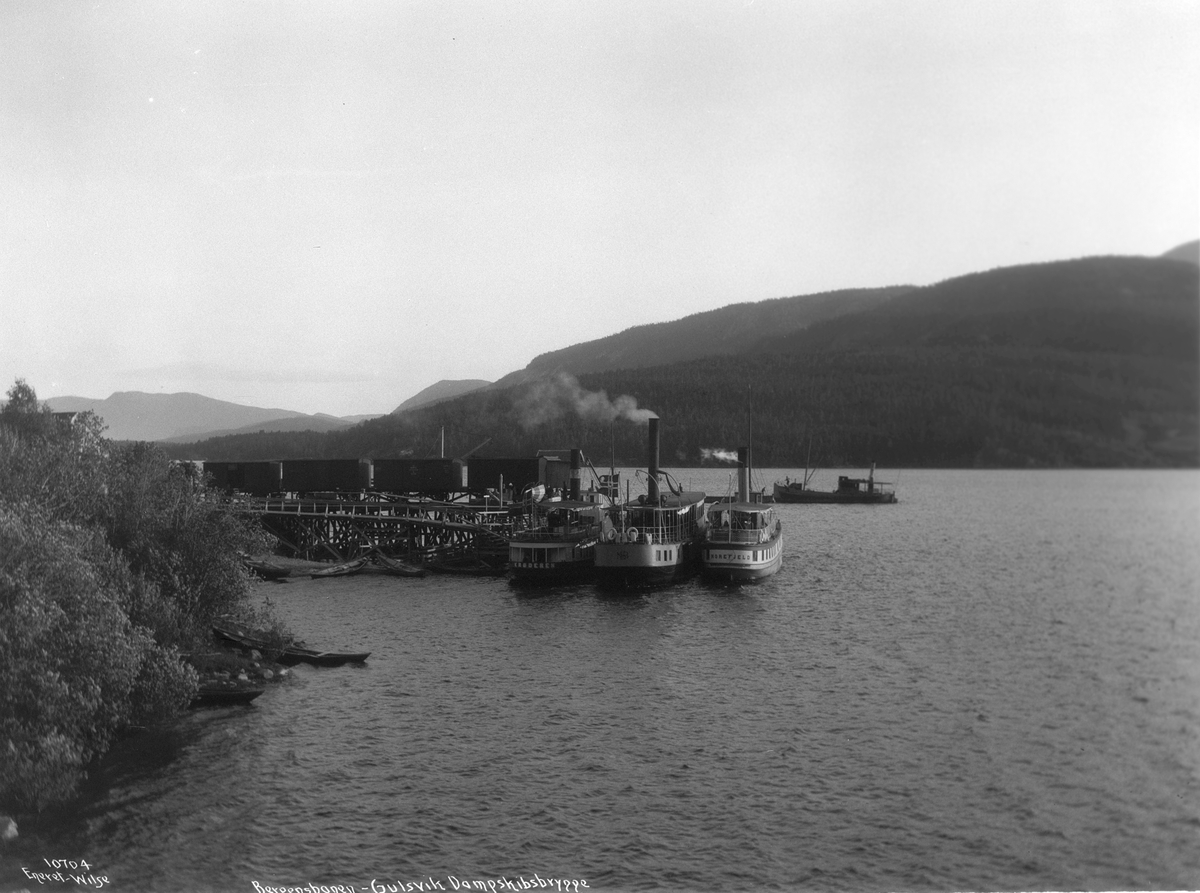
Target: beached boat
pixel 655 538
pixel 288 651
pixel 850 491
pixel 266 570
pixel 559 543
pixel 395 567
pixel 341 570
pixel 744 539
pixel 297 653
pixel 223 695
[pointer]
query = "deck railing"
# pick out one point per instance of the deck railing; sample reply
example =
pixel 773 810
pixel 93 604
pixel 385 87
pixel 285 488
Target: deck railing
pixel 742 535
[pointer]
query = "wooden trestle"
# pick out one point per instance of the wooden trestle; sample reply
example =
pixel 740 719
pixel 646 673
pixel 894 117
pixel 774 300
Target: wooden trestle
pixel 415 530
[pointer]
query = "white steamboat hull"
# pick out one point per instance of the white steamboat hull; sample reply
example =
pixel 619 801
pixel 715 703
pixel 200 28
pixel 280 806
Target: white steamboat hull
pixel 645 564
pixel 743 562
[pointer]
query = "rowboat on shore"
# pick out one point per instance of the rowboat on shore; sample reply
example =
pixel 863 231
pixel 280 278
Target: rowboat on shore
pixel 340 570
pixel 266 570
pixel 290 651
pixel 395 567
pixel 215 695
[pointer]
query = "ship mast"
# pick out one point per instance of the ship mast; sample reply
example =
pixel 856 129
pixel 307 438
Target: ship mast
pixel 749 440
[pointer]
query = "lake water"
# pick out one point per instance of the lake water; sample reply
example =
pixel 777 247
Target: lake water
pixel 992 685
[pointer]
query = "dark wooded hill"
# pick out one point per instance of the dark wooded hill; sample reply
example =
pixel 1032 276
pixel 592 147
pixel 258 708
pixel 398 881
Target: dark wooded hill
pixel 725 331
pixel 442 390
pixel 1084 363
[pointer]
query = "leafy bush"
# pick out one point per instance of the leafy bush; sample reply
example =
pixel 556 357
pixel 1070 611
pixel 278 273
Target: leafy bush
pixel 113 563
pixel 73 670
pixel 178 537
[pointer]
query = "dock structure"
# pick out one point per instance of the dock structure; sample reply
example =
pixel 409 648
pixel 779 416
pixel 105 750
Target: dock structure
pixel 454 515
pixel 425 531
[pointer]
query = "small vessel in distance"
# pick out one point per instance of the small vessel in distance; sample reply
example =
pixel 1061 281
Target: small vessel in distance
pixel 744 540
pixel 850 491
pixel 655 538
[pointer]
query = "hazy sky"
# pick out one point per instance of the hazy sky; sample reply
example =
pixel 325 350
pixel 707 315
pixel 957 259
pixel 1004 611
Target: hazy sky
pixel 327 206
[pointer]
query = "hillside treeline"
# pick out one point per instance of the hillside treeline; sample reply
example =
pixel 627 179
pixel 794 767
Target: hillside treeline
pixel 727 330
pixel 113 563
pixel 942 407
pixel 1088 363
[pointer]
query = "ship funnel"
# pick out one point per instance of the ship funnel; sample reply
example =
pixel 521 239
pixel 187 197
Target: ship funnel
pixel 743 474
pixel 576 462
pixel 652 484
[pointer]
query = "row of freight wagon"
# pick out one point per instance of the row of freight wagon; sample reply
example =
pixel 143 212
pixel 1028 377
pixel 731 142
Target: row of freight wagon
pixel 441 478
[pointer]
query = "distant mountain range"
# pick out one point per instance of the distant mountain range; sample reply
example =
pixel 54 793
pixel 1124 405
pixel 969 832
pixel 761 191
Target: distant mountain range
pixel 1188 251
pixel 1054 314
pixel 443 390
pixel 185 417
pixel 1092 362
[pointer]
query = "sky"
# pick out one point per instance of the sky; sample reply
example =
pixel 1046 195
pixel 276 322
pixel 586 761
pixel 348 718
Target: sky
pixel 328 206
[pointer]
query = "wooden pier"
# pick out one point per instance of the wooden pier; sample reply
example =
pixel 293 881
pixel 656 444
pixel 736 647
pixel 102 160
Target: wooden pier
pixel 341 529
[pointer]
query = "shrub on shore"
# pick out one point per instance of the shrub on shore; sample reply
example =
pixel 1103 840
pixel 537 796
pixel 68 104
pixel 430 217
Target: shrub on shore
pixel 113 563
pixel 74 671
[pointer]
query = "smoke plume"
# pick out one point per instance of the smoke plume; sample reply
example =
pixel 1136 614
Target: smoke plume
pixel 562 395
pixel 718 455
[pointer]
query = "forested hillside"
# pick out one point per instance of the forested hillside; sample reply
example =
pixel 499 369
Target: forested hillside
pixel 727 330
pixel 1088 363
pixel 1120 305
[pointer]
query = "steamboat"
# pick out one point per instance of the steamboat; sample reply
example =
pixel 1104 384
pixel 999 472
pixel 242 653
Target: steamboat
pixel 558 542
pixel 656 538
pixel 744 539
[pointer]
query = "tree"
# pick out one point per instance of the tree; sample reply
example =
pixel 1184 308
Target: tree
pixel 24 414
pixel 74 671
pixel 113 563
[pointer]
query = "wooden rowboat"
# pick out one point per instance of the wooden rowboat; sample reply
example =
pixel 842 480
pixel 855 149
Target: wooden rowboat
pixel 266 570
pixel 215 695
pixel 395 567
pixel 295 654
pixel 290 652
pixel 341 570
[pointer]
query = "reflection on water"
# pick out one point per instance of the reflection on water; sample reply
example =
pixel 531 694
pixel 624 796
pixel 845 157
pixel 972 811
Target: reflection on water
pixel 994 684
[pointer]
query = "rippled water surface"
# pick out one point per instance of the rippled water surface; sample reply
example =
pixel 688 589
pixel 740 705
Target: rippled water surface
pixel 992 685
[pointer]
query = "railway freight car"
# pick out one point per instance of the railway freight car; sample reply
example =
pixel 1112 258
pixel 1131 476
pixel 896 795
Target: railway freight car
pixel 516 474
pixel 255 478
pixel 326 475
pixel 428 477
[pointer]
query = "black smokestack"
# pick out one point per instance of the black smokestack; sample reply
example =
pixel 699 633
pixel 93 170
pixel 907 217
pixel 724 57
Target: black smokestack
pixel 652 485
pixel 743 474
pixel 576 462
